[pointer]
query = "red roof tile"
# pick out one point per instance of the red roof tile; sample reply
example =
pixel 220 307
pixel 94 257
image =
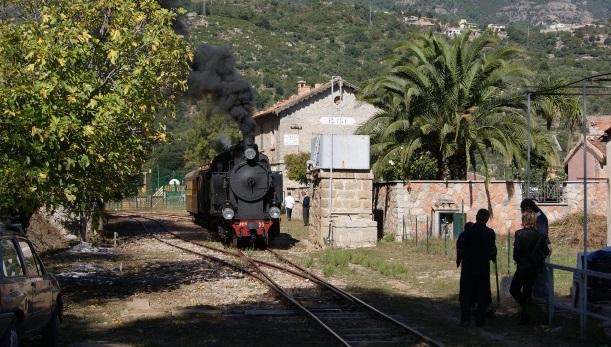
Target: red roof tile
pixel 297 98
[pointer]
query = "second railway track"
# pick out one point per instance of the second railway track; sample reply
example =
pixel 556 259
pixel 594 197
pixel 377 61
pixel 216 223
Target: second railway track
pixel 351 321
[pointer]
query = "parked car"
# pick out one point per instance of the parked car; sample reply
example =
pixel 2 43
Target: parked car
pixel 30 298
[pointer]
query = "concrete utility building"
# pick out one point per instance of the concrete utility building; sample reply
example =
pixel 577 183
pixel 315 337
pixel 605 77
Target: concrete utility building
pixel 287 126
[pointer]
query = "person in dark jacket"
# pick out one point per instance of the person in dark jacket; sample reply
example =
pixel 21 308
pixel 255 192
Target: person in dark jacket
pixel 527 268
pixel 475 248
pixel 306 210
pixel 541 286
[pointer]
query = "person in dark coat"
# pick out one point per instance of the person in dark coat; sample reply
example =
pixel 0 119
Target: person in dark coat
pixel 527 268
pixel 541 287
pixel 475 248
pixel 306 210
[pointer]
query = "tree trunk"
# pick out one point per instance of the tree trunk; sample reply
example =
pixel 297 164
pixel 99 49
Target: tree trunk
pixel 443 171
pixel 458 165
pixel 86 224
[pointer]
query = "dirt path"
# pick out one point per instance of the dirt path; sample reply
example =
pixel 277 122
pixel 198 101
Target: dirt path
pixel 145 292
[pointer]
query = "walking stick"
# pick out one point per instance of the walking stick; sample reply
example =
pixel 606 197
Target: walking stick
pixel 498 292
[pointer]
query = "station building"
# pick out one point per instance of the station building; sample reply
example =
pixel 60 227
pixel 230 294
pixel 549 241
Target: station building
pixel 288 126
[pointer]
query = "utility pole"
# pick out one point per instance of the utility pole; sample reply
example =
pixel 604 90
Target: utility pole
pixel 157 176
pixel 204 8
pixel 370 13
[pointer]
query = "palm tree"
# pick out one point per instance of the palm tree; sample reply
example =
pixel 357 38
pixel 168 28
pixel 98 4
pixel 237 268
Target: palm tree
pixel 451 99
pixel 557 108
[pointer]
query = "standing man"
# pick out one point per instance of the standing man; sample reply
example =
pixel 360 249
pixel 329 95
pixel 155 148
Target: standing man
pixel 540 290
pixel 289 203
pixel 306 210
pixel 475 248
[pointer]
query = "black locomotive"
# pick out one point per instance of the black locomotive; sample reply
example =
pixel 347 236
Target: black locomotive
pixel 237 194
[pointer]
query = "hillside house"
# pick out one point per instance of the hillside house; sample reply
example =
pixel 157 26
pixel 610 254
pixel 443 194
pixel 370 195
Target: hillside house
pixel 287 126
pixel 499 30
pixel 463 26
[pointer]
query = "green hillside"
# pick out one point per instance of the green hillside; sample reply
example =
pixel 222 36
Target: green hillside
pixel 501 11
pixel 278 42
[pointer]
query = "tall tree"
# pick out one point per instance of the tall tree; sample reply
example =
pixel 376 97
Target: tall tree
pixel 556 108
pixel 211 134
pixel 85 89
pixel 452 99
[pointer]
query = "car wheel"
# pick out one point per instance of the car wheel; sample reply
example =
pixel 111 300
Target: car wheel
pixel 51 334
pixel 11 336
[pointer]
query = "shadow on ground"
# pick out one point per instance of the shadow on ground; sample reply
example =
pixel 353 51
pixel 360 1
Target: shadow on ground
pixel 214 325
pixel 234 326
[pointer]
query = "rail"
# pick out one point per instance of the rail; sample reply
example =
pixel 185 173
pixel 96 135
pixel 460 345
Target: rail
pixel 582 308
pixel 261 276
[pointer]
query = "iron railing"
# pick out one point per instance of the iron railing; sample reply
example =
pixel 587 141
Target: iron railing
pixel 550 192
pixel 581 307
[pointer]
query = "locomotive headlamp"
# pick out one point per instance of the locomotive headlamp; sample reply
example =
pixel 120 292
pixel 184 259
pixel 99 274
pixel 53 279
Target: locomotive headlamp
pixel 274 212
pixel 250 153
pixel 228 213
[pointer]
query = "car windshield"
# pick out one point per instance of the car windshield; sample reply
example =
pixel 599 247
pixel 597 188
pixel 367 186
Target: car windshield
pixel 11 265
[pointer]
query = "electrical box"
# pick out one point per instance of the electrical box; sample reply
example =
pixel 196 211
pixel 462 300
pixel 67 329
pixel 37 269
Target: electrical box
pixel 347 151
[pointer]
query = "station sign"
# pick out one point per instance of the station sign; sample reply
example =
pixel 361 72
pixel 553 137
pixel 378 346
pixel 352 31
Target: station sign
pixel 291 139
pixel 337 120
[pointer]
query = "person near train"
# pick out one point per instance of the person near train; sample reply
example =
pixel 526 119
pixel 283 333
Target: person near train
pixel 529 252
pixel 306 210
pixel 289 203
pixel 475 248
pixel 540 290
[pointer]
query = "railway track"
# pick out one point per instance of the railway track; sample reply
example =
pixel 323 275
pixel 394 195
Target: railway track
pixel 351 321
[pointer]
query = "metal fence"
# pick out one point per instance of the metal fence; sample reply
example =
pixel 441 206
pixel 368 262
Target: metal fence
pixel 165 198
pixel 551 192
pixel 581 307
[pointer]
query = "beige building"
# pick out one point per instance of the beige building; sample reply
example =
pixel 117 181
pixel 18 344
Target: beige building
pixel 287 126
pixel 597 148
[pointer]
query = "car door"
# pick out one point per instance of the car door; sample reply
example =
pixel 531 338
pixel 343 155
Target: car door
pixel 16 289
pixel 41 288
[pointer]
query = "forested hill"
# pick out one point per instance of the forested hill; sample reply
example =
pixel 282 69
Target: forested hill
pixel 278 42
pixel 534 12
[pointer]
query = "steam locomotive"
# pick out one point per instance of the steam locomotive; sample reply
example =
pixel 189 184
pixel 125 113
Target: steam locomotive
pixel 237 195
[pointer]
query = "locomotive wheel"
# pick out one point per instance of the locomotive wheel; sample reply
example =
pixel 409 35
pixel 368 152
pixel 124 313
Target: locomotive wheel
pixel 261 242
pixel 274 230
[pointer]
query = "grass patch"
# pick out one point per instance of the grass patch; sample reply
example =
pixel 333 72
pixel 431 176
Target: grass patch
pixel 334 259
pixel 308 262
pixel 389 237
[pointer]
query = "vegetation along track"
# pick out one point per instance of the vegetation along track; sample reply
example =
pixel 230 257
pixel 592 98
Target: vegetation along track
pixel 350 320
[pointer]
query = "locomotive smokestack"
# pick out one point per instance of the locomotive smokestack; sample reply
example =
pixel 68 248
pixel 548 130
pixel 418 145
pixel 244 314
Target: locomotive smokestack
pixel 249 141
pixel 213 73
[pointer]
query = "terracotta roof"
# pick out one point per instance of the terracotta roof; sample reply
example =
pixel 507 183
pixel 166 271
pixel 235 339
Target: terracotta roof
pixel 599 124
pixel 293 100
pixel 598 147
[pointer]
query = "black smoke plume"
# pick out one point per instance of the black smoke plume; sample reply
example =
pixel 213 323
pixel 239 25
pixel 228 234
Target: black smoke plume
pixel 213 73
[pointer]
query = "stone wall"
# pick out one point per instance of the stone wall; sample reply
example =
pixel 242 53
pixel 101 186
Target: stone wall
pixel 353 224
pixel 401 207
